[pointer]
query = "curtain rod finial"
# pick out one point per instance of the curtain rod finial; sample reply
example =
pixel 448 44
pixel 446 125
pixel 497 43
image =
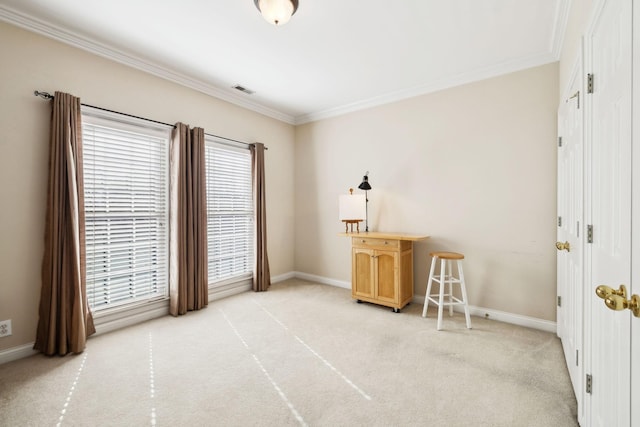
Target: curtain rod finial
pixel 44 95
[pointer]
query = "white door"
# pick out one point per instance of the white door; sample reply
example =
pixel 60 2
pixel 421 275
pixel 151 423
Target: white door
pixel 608 209
pixel 570 222
pixel 635 208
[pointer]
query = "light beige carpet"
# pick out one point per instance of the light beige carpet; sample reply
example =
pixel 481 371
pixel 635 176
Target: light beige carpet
pixel 299 354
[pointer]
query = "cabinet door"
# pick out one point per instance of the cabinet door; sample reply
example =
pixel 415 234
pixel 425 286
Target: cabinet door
pixel 362 280
pixel 386 268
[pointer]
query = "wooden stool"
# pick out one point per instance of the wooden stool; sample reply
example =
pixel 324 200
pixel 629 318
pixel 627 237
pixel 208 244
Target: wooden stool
pixel 443 279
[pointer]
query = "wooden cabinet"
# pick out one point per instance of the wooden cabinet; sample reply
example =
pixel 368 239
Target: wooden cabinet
pixel 382 268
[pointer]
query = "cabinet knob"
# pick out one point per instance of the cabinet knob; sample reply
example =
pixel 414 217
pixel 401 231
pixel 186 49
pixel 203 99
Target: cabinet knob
pixel 362 241
pixel 386 243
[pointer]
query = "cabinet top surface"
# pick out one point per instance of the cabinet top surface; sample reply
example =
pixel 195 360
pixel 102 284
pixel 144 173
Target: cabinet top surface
pixel 382 235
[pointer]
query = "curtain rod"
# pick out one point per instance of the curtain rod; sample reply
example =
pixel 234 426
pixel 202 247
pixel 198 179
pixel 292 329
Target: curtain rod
pixel 46 95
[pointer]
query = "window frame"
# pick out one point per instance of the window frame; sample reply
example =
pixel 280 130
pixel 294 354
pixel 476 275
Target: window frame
pixel 120 122
pixel 230 284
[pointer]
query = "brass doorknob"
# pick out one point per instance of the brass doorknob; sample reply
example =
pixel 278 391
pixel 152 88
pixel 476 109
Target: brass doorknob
pixel 563 246
pixel 604 291
pixel 617 299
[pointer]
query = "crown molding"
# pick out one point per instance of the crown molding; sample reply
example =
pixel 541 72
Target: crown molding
pixel 444 83
pixel 81 42
pixel 560 27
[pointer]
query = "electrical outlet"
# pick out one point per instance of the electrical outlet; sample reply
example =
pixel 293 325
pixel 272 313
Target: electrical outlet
pixel 5 328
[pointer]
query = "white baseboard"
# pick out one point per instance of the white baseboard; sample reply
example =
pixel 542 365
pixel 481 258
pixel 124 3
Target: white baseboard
pixel 15 353
pixel 323 280
pixel 283 277
pixel 501 316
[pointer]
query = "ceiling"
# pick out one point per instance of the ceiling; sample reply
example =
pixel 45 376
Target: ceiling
pixel 334 56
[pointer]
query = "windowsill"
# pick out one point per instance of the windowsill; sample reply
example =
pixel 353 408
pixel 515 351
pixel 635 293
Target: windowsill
pixel 138 312
pixel 226 288
pixel 131 314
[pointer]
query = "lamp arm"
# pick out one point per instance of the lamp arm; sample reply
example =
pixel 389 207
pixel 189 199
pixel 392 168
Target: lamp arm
pixel 366 210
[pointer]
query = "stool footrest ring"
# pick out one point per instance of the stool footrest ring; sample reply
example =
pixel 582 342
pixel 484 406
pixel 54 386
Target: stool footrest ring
pixel 456 300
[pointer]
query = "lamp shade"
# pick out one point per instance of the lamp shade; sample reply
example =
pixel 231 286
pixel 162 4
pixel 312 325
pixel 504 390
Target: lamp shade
pixel 352 206
pixel 364 185
pixel 277 12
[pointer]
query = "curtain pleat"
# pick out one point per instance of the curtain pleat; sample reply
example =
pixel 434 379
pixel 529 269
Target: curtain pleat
pixel 261 274
pixel 188 287
pixel 65 319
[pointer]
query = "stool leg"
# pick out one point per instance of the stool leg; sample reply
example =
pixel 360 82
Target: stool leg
pixel 463 288
pixel 441 296
pixel 429 282
pixel 450 283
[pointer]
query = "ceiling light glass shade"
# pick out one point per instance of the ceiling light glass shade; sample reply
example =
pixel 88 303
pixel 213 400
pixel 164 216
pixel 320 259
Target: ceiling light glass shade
pixel 277 12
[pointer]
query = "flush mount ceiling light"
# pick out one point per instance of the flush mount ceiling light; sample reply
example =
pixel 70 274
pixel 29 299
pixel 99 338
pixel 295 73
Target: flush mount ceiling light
pixel 277 12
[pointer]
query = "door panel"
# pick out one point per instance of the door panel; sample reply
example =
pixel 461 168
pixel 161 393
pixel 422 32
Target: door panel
pixel 570 213
pixel 610 211
pixel 386 267
pixel 362 272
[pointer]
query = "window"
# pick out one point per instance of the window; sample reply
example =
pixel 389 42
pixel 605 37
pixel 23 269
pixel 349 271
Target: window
pixel 229 211
pixel 126 205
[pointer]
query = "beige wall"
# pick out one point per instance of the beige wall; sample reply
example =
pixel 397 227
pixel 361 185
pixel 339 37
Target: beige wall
pixel 31 62
pixel 473 166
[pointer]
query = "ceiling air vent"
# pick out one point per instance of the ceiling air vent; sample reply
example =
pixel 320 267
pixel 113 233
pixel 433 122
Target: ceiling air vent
pixel 243 89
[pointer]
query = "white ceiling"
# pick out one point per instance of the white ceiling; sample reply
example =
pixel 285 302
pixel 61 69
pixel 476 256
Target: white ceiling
pixel 334 56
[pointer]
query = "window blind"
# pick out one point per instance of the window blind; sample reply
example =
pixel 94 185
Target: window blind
pixel 126 206
pixel 229 211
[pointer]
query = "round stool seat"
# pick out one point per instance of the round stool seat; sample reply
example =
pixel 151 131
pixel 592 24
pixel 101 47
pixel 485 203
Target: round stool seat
pixel 446 255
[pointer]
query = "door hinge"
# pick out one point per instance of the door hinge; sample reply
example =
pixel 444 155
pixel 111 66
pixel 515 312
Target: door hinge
pixel 589 83
pixel 559 141
pixel 559 221
pixel 577 352
pixel 559 301
pixel 589 384
pixel 589 233
pixel 578 229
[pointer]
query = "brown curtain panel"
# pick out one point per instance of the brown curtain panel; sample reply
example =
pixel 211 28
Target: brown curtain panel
pixel 261 275
pixel 65 320
pixel 188 288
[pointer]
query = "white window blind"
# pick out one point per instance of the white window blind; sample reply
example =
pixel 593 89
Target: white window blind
pixel 126 205
pixel 229 212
